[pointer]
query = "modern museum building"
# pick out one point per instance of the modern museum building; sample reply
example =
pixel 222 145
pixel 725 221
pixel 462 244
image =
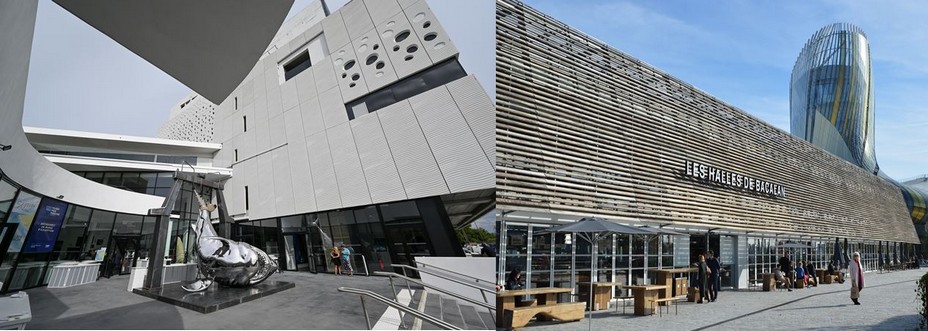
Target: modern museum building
pixel 358 127
pixel 586 130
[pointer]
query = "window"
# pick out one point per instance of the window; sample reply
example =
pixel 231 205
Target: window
pixel 297 65
pixel 236 155
pixel 236 103
pixel 244 123
pixel 435 76
pixel 246 197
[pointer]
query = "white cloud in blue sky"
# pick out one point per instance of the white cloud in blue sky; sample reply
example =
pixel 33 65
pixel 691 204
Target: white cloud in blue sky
pixel 743 52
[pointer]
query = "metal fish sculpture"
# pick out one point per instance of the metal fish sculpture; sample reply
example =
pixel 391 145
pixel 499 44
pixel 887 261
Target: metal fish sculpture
pixel 225 261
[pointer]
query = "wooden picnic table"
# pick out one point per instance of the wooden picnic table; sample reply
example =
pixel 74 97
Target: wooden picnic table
pixel 602 293
pixel 545 296
pixel 643 294
pixel 665 277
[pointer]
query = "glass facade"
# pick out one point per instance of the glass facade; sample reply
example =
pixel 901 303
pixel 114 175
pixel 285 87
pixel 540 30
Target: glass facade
pixel 38 233
pixel 152 183
pixel 384 234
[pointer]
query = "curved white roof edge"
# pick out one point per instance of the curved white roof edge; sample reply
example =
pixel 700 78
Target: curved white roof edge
pixel 34 172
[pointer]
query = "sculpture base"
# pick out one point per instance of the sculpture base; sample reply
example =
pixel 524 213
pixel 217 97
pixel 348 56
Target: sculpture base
pixel 215 298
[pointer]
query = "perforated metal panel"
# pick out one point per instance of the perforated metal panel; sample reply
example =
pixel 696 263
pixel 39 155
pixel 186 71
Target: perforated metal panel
pixel 336 36
pixel 312 117
pixel 333 108
pixel 348 72
pixel 283 183
pixel 324 74
pixel 306 85
pixel 288 95
pixel 261 192
pixel 262 136
pixel 463 164
pixel 405 53
pixel 381 10
pixel 351 182
pixel 357 20
pixel 383 179
pixel 375 65
pixel 325 186
pixel 304 199
pixel 478 110
pixel 417 167
pixel 432 37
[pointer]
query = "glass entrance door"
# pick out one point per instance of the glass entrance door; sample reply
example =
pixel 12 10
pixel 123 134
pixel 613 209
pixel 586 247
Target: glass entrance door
pixel 122 257
pixel 408 241
pixel 296 248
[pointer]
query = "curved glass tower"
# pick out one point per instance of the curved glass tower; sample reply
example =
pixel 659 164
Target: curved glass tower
pixel 831 97
pixel 831 104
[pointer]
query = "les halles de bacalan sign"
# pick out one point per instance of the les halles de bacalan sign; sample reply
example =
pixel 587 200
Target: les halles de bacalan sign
pixel 730 179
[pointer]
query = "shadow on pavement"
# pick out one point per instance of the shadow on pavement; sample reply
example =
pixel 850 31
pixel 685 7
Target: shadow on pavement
pixel 788 303
pixel 144 316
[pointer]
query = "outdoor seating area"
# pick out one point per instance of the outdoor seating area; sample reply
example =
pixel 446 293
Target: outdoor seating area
pixel 545 306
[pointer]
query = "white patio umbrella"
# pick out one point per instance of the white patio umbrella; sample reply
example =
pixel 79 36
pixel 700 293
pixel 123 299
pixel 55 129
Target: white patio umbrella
pixel 592 229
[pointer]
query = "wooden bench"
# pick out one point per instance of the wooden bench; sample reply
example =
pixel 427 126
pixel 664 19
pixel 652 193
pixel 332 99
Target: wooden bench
pixel 520 316
pixel 674 300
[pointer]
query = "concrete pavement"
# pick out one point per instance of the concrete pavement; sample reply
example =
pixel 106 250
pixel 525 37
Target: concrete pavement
pixel 887 303
pixel 313 304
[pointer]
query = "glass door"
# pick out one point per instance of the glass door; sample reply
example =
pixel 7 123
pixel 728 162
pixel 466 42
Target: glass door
pixel 319 261
pixel 296 251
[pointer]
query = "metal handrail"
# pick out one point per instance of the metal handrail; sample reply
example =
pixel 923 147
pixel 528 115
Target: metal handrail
pixel 478 280
pixel 396 305
pixel 440 290
pixel 490 308
pixel 458 281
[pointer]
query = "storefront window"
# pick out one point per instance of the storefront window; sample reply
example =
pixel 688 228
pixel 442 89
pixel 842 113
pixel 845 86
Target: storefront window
pixel 71 237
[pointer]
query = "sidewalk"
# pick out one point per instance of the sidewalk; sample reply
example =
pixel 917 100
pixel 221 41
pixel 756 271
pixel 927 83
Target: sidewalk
pixel 313 304
pixel 887 303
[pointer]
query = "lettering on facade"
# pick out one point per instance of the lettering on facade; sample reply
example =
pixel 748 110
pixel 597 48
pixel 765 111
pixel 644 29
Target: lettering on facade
pixel 726 178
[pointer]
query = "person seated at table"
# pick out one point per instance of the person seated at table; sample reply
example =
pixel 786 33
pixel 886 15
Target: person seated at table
pixel 780 278
pixel 515 282
pixel 813 274
pixel 832 270
pixel 801 277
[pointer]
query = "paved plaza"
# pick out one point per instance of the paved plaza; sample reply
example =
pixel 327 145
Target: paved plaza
pixel 887 303
pixel 313 304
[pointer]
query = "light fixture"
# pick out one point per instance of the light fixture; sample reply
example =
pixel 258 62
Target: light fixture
pixel 5 147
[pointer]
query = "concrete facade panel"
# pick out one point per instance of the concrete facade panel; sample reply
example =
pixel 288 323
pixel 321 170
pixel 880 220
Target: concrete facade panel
pixel 333 108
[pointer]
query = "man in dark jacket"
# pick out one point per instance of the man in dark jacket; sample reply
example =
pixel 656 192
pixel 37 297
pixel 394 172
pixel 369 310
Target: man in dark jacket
pixel 787 270
pixel 714 278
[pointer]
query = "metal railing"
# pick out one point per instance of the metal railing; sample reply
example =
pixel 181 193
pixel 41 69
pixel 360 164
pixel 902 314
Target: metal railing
pixel 469 277
pixel 490 308
pixel 394 304
pixel 483 291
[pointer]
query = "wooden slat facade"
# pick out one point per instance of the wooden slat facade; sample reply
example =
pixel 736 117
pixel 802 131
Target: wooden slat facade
pixel 583 129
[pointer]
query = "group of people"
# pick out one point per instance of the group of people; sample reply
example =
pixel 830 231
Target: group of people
pixel 341 259
pixel 709 279
pixel 789 275
pixel 803 273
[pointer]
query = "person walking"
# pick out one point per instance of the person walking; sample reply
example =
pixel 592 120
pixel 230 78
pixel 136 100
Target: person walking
pixel 857 278
pixel 346 260
pixel 703 279
pixel 336 256
pixel 787 269
pixel 715 269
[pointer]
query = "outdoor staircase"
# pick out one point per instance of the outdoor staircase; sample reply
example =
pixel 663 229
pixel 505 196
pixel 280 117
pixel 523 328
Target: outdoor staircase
pixel 447 309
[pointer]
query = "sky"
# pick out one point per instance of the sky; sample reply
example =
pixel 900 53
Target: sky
pixel 80 79
pixel 743 53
